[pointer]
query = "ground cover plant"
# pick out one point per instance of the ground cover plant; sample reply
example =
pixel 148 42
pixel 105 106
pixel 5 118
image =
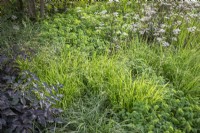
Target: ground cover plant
pixel 23 106
pixel 124 66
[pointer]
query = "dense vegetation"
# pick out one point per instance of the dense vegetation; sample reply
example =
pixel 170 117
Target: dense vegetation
pixel 124 66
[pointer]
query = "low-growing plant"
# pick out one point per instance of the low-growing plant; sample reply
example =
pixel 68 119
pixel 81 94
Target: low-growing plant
pixel 24 107
pixel 177 114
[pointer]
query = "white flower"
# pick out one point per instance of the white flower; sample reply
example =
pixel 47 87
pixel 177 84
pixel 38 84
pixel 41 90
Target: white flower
pixel 156 34
pixel 162 25
pixel 136 17
pixel 111 1
pixel 190 1
pixel 178 23
pixel 13 17
pixel 117 47
pixel 161 31
pixel 174 39
pixel 134 29
pixel 103 12
pixel 142 32
pixel 101 24
pixel 166 44
pixel 124 34
pixel 115 14
pixel 15 27
pixel 129 3
pixel 166 17
pixel 150 11
pixel 144 19
pixel 79 10
pixel 192 29
pixel 176 31
pixel 135 25
pixel 126 15
pixel 159 39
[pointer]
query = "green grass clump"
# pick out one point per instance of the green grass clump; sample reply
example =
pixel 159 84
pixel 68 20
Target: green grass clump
pixel 115 75
pixel 182 70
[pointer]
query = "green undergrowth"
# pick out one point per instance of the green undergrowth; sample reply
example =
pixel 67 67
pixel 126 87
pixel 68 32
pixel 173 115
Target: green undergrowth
pixel 124 77
pixel 17 36
pixel 123 69
pixel 94 113
pixel 145 88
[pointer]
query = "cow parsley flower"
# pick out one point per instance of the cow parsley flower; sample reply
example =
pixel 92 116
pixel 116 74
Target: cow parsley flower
pixel 142 32
pixel 124 34
pixel 15 27
pixel 178 23
pixel 166 44
pixel 115 14
pixel 145 19
pixel 162 25
pixel 111 1
pixel 174 39
pixel 136 17
pixel 192 29
pixel 129 3
pixel 101 24
pixel 176 31
pixel 134 27
pixel 79 10
pixel 103 12
pixel 159 39
pixel 161 31
pixel 14 17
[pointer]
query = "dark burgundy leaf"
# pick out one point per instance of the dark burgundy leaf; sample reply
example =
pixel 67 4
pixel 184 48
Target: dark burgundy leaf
pixel 33 116
pixel 23 101
pixel 12 128
pixel 24 131
pixel 2 121
pixel 19 129
pixel 58 120
pixel 20 109
pixel 3 105
pixel 26 120
pixel 8 112
pixel 41 120
pixel 15 101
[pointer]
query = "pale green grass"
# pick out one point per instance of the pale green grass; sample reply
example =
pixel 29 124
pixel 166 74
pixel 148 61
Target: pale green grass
pixel 114 74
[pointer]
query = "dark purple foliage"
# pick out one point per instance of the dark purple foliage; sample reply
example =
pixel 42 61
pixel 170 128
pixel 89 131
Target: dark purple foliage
pixel 22 109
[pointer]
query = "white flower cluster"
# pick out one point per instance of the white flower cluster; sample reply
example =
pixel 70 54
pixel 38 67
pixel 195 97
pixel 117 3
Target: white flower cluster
pixel 162 21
